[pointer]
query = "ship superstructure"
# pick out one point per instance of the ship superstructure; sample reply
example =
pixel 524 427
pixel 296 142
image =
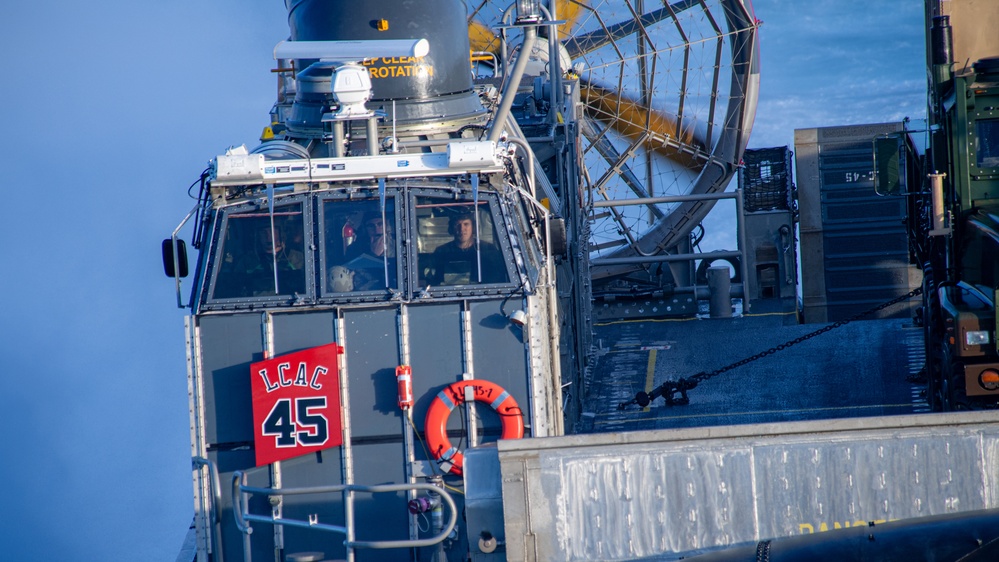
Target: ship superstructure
pixel 397 277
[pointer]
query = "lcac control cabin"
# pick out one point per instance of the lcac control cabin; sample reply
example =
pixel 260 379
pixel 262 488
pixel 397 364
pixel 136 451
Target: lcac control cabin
pixel 328 316
pixel 343 306
pixel 375 293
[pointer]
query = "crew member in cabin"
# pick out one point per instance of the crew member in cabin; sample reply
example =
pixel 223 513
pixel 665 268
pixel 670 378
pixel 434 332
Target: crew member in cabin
pixel 365 256
pixel 375 240
pixel 252 273
pixel 457 262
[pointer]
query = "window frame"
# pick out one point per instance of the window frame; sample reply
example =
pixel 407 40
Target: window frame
pixel 393 197
pixel 223 216
pixel 401 201
pixel 501 241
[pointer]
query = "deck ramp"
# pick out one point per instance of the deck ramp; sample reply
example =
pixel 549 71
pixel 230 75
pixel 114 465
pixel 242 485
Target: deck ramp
pixel 663 494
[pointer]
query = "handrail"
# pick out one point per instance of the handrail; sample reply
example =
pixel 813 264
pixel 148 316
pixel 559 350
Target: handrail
pixel 643 259
pixel 213 473
pixel 239 489
pixel 214 515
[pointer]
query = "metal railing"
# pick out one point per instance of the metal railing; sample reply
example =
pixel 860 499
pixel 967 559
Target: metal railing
pixel 215 491
pixel 738 289
pixel 241 493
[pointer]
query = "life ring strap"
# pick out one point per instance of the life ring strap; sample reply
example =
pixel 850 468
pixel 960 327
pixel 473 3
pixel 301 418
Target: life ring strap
pixel 449 454
pixel 446 400
pixel 495 404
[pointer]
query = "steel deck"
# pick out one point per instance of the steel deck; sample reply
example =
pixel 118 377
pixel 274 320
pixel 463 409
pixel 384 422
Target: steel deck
pixel 862 369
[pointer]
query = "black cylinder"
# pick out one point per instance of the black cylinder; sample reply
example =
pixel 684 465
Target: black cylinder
pixel 432 88
pixel 942 40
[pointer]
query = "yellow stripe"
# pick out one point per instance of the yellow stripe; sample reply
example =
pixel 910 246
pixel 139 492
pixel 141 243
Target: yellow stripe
pixel 650 374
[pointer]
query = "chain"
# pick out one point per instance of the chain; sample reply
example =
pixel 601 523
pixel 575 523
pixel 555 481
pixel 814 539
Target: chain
pixel 763 551
pixel 670 389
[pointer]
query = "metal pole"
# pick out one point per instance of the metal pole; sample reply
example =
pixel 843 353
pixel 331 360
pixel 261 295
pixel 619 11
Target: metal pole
pixel 506 102
pixel 176 258
pixel 469 374
pixel 346 450
pixel 720 286
pixel 939 211
pixel 530 163
pixel 338 137
pixel 373 136
pixel 408 445
pixel 665 258
pixel 665 199
pixel 554 61
pixel 741 232
pixel 277 502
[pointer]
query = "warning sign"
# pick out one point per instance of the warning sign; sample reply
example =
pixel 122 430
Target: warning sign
pixel 399 67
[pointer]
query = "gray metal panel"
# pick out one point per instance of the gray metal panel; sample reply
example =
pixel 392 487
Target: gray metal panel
pixel 623 496
pixel 371 341
pixel 854 250
pixel 228 345
pixel 765 253
pixel 484 501
pixel 435 354
pixel 499 355
pixel 371 351
pixel 295 332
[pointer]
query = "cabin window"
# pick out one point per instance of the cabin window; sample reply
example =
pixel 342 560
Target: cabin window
pixel 262 253
pixel 360 245
pixel 457 243
pixel 987 143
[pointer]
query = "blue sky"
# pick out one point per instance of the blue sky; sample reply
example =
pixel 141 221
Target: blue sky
pixel 111 109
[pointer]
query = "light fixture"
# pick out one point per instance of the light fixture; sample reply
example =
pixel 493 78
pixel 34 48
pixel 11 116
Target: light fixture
pixel 989 379
pixel 976 337
pixel 528 11
pixel 518 317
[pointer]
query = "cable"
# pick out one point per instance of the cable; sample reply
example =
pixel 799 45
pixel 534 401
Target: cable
pixel 201 178
pixel 409 418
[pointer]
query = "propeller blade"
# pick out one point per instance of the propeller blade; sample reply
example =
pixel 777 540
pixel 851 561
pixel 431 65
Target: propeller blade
pixel 482 39
pixel 589 42
pixel 569 11
pixel 635 120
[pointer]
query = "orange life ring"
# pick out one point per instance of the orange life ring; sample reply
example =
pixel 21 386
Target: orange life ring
pixel 441 449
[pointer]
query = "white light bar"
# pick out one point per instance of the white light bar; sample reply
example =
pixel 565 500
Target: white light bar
pixel 253 169
pixel 470 154
pixel 343 51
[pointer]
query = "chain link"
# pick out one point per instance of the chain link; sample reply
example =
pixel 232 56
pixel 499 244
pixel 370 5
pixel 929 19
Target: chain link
pixel 669 389
pixel 763 551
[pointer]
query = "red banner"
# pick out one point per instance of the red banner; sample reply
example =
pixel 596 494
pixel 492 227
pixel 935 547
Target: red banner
pixel 296 403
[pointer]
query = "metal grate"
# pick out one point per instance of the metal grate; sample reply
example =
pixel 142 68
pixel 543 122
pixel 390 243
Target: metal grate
pixel 765 179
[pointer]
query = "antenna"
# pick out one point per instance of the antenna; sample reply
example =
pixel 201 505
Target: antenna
pixel 351 51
